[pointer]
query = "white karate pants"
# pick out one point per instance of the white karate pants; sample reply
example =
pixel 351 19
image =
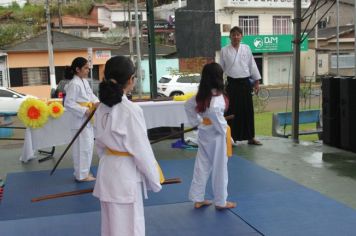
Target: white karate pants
pixel 123 219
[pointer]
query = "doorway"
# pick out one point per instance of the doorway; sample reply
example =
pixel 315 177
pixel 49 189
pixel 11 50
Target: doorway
pixel 280 69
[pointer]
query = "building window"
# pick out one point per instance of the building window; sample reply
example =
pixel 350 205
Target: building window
pixel 322 24
pixel 77 33
pixel 133 17
pixel 35 76
pixel 249 25
pixel 1 78
pixel 345 61
pixel 282 25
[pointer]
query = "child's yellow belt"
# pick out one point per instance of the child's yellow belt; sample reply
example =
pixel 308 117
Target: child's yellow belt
pixel 207 121
pixel 89 105
pixel 127 154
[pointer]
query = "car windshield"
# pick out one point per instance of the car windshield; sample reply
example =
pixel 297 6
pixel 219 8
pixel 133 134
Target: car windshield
pixel 189 79
pixel 196 79
pixel 16 92
pixel 164 80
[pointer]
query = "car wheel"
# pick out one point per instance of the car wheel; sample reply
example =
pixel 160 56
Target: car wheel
pixel 176 93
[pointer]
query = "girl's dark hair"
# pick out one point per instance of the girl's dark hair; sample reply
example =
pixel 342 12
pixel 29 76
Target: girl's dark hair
pixel 71 70
pixel 118 70
pixel 211 78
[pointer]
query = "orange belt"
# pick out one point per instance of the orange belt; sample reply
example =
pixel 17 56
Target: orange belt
pixel 127 154
pixel 207 121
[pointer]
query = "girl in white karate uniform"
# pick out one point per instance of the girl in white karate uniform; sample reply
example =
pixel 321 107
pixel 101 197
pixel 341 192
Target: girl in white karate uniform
pixel 78 101
pixel 206 109
pixel 127 166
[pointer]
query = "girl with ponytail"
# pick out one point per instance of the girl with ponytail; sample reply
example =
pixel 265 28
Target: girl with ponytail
pixel 127 166
pixel 206 110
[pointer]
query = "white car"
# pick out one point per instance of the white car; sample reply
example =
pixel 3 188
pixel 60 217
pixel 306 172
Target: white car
pixel 171 85
pixel 11 100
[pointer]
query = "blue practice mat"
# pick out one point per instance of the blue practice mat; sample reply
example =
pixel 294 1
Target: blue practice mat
pixel 21 187
pixel 174 220
pixel 24 186
pixel 278 206
pixel 268 202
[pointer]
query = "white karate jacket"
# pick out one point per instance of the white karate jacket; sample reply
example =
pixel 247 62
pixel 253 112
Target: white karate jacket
pixel 78 90
pixel 122 128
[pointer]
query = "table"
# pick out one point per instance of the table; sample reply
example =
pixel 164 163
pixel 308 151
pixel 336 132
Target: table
pixel 57 132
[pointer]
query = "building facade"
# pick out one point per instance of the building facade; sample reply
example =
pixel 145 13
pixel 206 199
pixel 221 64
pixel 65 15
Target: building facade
pixel 118 16
pixel 321 58
pixel 4 70
pixel 28 61
pixel 268 30
pixel 267 27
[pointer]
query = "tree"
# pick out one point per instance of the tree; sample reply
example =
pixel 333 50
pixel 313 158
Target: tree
pixel 14 32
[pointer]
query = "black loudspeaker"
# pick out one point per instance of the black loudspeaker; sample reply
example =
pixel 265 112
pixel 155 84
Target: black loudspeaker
pixel 331 111
pixel 348 114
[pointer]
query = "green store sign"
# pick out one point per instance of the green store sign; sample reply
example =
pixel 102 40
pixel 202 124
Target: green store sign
pixel 268 43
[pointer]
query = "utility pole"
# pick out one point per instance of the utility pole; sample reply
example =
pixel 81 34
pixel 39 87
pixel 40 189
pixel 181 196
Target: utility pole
pixel 337 38
pixel 152 48
pixel 316 45
pixel 355 40
pixel 60 23
pixel 130 32
pixel 296 75
pixel 52 73
pixel 138 51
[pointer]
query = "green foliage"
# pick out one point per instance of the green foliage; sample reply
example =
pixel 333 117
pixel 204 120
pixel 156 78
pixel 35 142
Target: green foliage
pixel 259 105
pixel 23 23
pixel 175 71
pixel 15 6
pixel 80 8
pixel 304 94
pixel 114 36
pixel 14 32
pixel 30 14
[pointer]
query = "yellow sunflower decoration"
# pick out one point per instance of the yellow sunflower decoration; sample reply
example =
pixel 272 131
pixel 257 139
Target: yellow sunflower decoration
pixel 184 97
pixel 55 109
pixel 33 113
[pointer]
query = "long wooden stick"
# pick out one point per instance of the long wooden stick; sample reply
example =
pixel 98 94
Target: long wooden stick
pixel 230 117
pixel 152 142
pixel 89 190
pixel 73 139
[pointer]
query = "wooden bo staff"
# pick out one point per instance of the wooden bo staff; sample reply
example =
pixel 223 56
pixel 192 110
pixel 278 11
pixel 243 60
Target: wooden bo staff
pixel 73 139
pixel 89 190
pixel 230 117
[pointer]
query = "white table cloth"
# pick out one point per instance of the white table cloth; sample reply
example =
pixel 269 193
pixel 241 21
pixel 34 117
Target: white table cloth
pixel 57 132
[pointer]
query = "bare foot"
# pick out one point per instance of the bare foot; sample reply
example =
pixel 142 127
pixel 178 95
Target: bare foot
pixel 198 205
pixel 228 205
pixel 87 179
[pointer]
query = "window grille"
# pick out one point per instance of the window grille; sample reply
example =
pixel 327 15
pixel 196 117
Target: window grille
pixel 345 61
pixel 35 76
pixel 282 25
pixel 249 25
